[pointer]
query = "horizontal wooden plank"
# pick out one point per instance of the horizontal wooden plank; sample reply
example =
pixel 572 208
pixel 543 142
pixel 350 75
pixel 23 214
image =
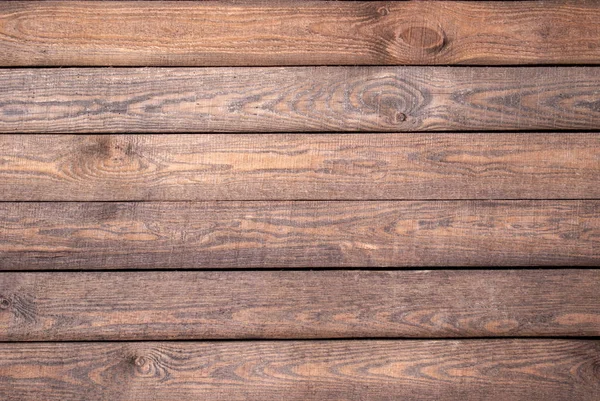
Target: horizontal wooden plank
pixel 283 234
pixel 299 166
pixel 468 370
pixel 298 304
pixel 312 99
pixel 162 33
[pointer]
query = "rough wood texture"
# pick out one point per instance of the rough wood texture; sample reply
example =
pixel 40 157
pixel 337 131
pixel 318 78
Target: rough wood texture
pixel 78 33
pixel 298 99
pixel 298 234
pixel 298 304
pixel 299 166
pixel 468 370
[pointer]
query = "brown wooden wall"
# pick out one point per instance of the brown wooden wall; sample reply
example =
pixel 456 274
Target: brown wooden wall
pixel 268 200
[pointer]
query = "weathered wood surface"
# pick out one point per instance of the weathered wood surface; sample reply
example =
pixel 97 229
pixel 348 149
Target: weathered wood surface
pixel 125 33
pixel 468 370
pixel 77 306
pixel 302 99
pixel 264 171
pixel 282 234
pixel 299 166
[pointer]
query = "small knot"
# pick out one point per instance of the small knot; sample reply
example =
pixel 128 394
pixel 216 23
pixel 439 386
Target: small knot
pixel 399 117
pixel 140 361
pixel 143 366
pixel 4 303
pixel 383 11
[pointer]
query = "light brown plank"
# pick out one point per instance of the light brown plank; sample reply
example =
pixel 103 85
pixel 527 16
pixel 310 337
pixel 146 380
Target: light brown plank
pixel 311 99
pixel 181 33
pixel 298 304
pixel 205 235
pixel 299 166
pixel 469 370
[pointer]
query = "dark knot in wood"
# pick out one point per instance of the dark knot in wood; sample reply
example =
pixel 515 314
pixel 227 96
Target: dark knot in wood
pixel 399 117
pixel 429 39
pixel 4 303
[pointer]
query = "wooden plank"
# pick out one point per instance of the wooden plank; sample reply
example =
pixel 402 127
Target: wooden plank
pixel 468 370
pixel 285 234
pixel 146 100
pixel 126 33
pixel 299 166
pixel 298 304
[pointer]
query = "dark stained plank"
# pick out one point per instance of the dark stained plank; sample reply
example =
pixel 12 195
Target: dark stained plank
pixel 284 234
pixel 181 33
pixel 468 370
pixel 312 99
pixel 298 304
pixel 299 166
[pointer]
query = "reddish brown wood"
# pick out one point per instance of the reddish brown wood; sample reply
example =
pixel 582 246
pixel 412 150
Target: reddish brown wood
pixel 278 234
pixel 299 166
pixel 468 370
pixel 66 306
pixel 301 99
pixel 182 33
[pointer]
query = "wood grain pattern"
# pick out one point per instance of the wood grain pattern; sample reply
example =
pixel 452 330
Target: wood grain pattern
pixel 298 304
pixel 469 370
pixel 181 33
pixel 205 235
pixel 299 166
pixel 310 99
